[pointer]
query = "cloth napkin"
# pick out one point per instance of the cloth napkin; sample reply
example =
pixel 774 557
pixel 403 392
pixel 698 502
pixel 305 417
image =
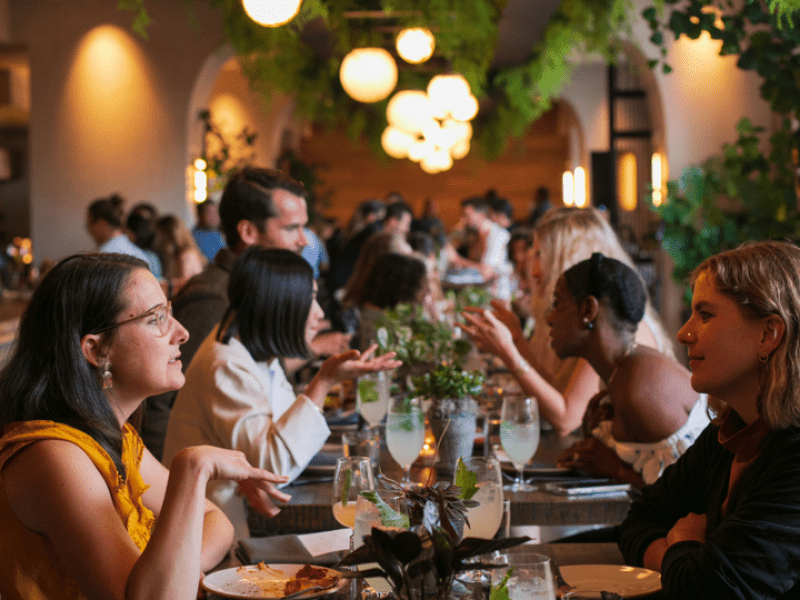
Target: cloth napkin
pixel 284 549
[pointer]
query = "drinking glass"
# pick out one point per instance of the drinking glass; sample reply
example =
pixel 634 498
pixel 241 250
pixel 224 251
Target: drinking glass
pixel 405 433
pixel 531 579
pixel 393 515
pixel 484 519
pixel 372 397
pixel 353 475
pixel 519 434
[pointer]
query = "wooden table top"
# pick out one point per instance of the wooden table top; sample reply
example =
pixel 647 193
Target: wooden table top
pixel 310 507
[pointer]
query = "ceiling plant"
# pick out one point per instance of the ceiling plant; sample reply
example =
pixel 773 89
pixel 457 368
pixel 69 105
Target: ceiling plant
pixel 303 57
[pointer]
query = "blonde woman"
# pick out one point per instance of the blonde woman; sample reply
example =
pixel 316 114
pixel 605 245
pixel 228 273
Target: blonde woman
pixel 180 256
pixel 563 237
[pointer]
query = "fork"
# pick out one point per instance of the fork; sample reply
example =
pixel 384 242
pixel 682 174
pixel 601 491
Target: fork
pixel 562 586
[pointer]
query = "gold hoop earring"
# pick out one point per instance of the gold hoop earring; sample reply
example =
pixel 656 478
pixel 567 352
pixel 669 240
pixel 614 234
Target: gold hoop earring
pixel 108 380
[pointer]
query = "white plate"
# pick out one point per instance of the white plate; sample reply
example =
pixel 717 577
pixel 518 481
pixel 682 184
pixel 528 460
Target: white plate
pixel 241 582
pixel 628 582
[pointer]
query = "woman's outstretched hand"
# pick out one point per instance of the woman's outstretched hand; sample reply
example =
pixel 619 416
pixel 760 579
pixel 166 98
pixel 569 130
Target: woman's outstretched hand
pixel 489 332
pixel 219 463
pixel 353 363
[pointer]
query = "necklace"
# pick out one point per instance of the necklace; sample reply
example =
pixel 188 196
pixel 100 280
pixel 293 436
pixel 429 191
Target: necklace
pixel 619 360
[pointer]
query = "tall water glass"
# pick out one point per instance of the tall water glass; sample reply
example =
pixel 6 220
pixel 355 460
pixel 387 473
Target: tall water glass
pixel 531 579
pixel 353 475
pixel 519 434
pixel 405 433
pixel 372 397
pixel 484 519
pixel 395 516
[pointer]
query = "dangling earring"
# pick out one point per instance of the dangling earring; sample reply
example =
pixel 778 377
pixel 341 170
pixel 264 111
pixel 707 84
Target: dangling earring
pixel 590 325
pixel 108 381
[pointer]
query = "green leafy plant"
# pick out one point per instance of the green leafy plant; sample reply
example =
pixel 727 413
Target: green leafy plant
pixel 741 195
pixel 447 381
pixel 416 340
pixel 422 562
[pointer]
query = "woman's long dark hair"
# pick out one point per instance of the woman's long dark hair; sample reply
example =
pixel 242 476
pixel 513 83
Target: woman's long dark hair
pixel 47 376
pixel 270 294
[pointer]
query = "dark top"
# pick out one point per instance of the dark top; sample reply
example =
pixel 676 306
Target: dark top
pixel 343 255
pixel 752 551
pixel 198 306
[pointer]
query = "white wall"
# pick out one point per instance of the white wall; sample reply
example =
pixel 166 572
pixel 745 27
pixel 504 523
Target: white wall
pixel 94 132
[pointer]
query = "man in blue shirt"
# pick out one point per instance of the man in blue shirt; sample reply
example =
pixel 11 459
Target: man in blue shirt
pixel 206 233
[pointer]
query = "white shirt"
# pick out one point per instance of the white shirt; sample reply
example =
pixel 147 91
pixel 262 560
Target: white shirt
pixel 123 245
pixel 231 401
pixel 496 256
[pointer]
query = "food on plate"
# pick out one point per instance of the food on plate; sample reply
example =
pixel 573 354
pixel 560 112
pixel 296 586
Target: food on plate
pixel 274 583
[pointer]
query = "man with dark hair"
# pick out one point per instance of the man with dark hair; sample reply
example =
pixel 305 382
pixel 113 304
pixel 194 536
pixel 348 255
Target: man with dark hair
pixel 488 250
pixel 206 232
pixel 501 212
pixel 259 207
pixel 398 218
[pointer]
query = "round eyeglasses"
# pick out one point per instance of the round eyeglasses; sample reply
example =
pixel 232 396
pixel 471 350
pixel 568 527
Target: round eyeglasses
pixel 160 314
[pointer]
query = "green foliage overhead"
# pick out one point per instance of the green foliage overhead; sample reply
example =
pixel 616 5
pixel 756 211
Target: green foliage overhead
pixel 466 35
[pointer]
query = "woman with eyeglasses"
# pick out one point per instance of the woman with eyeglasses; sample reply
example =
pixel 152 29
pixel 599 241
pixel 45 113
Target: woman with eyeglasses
pixel 724 520
pixel 85 510
pixel 236 393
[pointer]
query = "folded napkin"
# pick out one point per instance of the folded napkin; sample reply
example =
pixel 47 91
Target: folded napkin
pixel 292 549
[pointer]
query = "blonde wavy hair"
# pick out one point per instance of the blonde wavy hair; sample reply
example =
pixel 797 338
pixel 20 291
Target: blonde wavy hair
pixel 567 236
pixel 763 278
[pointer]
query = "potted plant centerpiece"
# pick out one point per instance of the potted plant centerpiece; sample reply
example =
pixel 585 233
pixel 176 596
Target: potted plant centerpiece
pixel 452 409
pixel 422 561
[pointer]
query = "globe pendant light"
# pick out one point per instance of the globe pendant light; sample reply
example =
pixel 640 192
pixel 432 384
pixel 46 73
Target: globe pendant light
pixel 415 45
pixel 368 74
pixel 271 13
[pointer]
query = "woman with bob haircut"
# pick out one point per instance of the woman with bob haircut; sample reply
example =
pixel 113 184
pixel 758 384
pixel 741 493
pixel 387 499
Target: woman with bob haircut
pixel 724 520
pixel 85 510
pixel 561 238
pixel 237 395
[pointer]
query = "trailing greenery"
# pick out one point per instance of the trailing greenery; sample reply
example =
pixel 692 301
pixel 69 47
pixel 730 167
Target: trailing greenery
pixel 466 35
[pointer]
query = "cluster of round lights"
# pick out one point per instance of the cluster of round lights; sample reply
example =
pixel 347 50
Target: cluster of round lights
pixel 431 128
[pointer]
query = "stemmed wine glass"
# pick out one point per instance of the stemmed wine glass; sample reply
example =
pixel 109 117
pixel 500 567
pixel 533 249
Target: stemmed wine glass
pixel 405 433
pixel 519 434
pixel 386 509
pixel 372 397
pixel 353 475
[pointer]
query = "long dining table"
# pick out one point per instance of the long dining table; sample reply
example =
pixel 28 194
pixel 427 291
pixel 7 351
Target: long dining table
pixel 310 509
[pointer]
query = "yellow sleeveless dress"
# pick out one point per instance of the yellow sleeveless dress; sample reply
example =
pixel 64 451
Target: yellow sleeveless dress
pixel 29 566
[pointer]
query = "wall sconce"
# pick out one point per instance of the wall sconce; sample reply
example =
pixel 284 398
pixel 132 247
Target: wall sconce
pixel 199 181
pixel 415 45
pixel 626 173
pixel 658 182
pixel 580 187
pixel 272 13
pixel 368 74
pixel 568 188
